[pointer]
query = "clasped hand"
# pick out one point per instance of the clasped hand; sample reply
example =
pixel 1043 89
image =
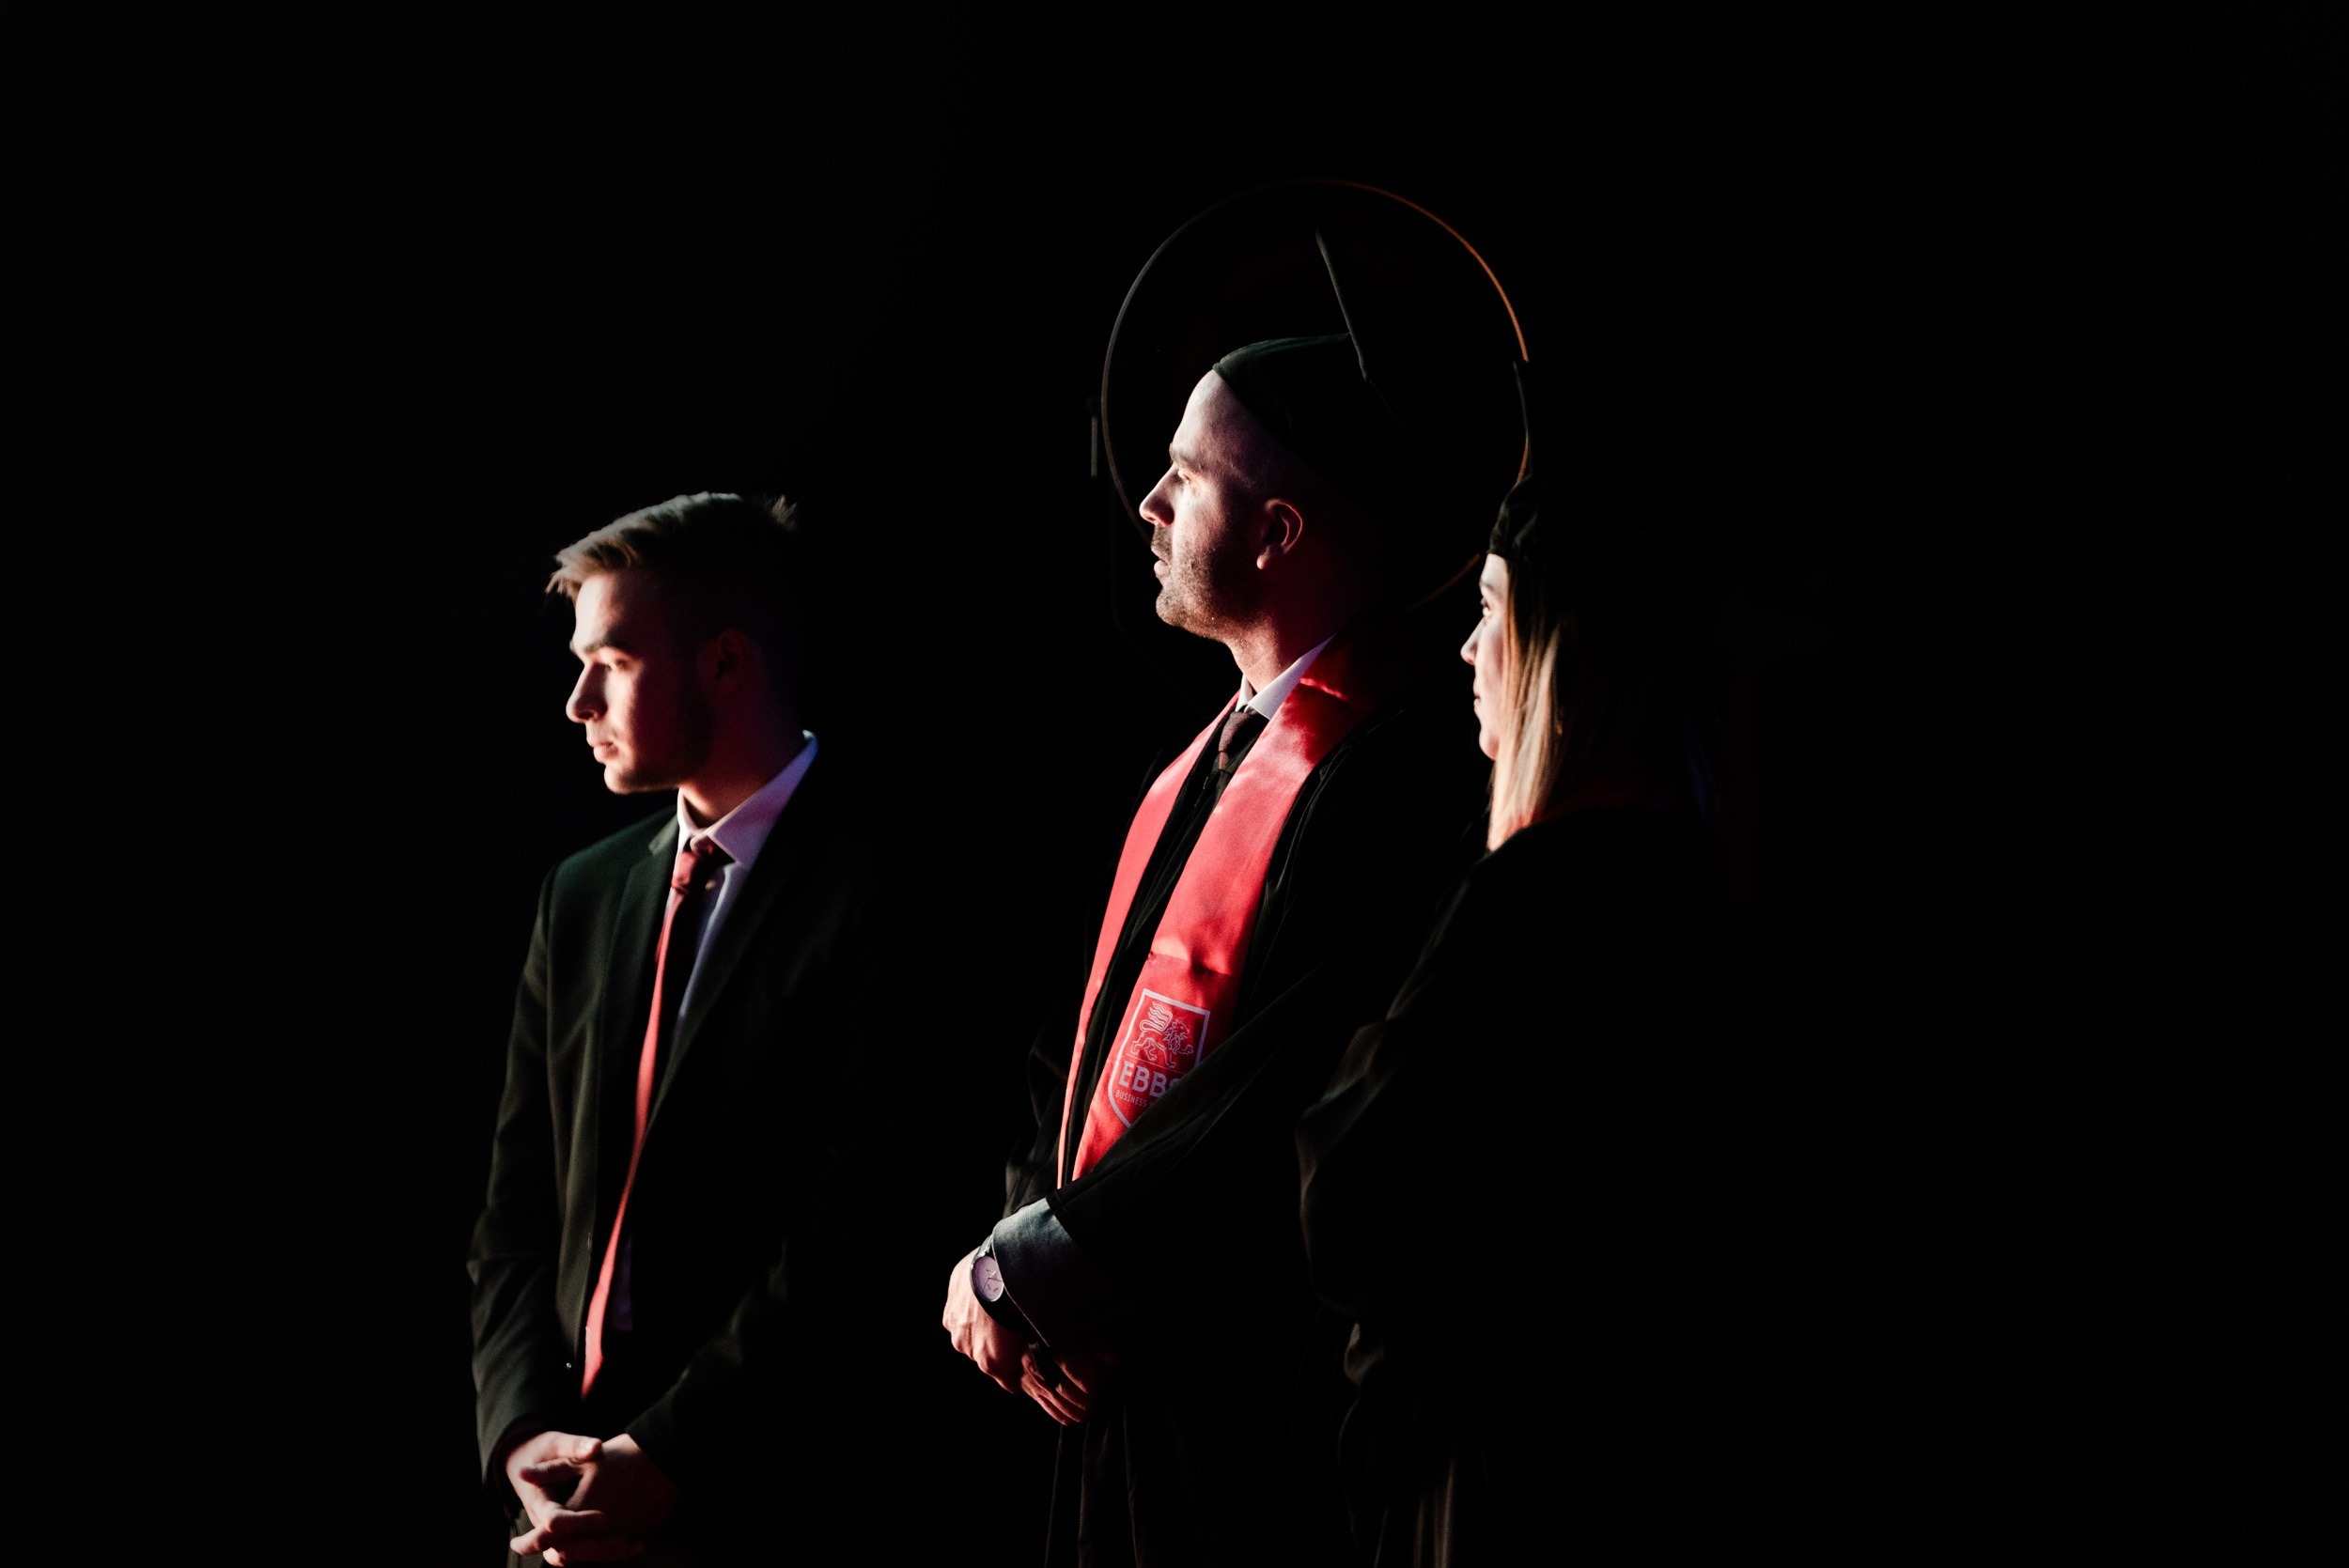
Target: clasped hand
pixel 1064 1381
pixel 588 1501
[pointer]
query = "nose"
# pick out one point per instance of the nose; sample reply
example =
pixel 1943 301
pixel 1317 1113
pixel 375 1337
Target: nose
pixel 1468 650
pixel 1154 509
pixel 586 699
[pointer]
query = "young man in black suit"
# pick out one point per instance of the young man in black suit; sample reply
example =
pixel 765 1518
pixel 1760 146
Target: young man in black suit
pixel 668 1304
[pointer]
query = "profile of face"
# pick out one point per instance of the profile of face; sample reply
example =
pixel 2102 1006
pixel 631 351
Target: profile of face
pixel 1203 516
pixel 639 691
pixel 1483 650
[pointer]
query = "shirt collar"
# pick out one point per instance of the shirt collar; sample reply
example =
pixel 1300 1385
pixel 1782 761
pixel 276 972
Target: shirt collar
pixel 1268 701
pixel 742 832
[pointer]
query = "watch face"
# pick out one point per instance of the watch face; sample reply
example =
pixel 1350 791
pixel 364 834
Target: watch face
pixel 987 1279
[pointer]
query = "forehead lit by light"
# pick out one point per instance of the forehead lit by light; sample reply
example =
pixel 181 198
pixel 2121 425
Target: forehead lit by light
pixel 1212 427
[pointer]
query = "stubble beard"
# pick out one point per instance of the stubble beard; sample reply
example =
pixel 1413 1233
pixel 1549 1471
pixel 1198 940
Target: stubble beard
pixel 1197 598
pixel 636 780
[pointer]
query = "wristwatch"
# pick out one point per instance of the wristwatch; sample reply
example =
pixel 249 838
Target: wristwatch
pixel 986 1284
pixel 986 1278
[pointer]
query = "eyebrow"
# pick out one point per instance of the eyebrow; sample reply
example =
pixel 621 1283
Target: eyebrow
pixel 607 640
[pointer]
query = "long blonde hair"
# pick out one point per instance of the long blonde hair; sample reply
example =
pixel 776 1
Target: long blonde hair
pixel 1585 712
pixel 1525 770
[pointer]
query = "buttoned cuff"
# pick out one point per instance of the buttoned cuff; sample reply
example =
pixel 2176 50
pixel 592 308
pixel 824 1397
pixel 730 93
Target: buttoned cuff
pixel 1056 1286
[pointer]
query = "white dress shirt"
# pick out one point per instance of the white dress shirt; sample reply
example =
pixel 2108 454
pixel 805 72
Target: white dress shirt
pixel 1268 701
pixel 741 833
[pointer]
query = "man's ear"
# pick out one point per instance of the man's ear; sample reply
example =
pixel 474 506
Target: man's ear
pixel 1284 530
pixel 724 660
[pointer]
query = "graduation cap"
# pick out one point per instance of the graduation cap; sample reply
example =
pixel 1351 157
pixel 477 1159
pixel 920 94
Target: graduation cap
pixel 1363 332
pixel 1601 542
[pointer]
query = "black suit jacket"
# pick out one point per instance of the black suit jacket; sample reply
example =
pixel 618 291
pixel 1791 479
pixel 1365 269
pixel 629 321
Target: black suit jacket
pixel 748 1286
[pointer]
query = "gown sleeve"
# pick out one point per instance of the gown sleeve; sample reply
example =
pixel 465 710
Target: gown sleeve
pixel 1392 1174
pixel 1028 1175
pixel 1528 1160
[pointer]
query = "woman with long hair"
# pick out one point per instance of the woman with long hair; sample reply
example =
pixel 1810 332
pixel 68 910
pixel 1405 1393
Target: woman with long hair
pixel 1506 1185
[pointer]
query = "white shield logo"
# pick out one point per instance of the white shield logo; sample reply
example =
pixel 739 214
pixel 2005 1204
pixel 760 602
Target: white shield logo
pixel 1160 1043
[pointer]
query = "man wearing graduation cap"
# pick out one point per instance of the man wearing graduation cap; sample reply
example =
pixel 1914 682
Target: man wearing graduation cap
pixel 1147 1286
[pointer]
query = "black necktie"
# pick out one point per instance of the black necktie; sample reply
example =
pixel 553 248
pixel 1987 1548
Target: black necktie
pixel 1239 732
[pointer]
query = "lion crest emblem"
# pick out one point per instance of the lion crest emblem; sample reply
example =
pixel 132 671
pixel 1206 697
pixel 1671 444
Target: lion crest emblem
pixel 1161 1044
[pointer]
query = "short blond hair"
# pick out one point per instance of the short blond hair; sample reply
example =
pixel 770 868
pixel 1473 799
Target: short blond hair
pixel 723 560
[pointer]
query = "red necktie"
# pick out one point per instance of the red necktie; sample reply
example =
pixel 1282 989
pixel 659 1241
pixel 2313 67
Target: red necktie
pixel 694 875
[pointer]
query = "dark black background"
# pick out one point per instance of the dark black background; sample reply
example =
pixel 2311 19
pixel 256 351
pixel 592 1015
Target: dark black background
pixel 885 292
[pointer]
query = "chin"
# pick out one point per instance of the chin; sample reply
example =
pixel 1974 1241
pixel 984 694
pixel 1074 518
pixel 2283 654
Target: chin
pixel 620 781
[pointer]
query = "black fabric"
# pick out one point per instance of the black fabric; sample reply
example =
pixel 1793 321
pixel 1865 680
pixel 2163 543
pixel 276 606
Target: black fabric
pixel 1517 534
pixel 1217 1443
pixel 772 1330
pixel 1518 1188
pixel 1311 395
pixel 1616 555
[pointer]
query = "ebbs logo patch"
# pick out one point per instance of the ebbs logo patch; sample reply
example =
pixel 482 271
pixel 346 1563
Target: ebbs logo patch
pixel 1161 1044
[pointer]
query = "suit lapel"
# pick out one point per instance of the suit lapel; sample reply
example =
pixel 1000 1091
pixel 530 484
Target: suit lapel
pixel 776 869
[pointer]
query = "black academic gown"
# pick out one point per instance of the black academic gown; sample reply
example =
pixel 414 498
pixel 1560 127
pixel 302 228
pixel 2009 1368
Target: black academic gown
pixel 1514 1190
pixel 780 1334
pixel 1217 1444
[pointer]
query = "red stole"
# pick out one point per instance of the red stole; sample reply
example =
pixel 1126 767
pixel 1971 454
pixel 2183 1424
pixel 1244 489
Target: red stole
pixel 1181 1005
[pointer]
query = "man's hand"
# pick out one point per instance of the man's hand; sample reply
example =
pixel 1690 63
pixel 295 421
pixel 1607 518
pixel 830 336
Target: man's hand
pixel 1066 1381
pixel 588 1501
pixel 974 1331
